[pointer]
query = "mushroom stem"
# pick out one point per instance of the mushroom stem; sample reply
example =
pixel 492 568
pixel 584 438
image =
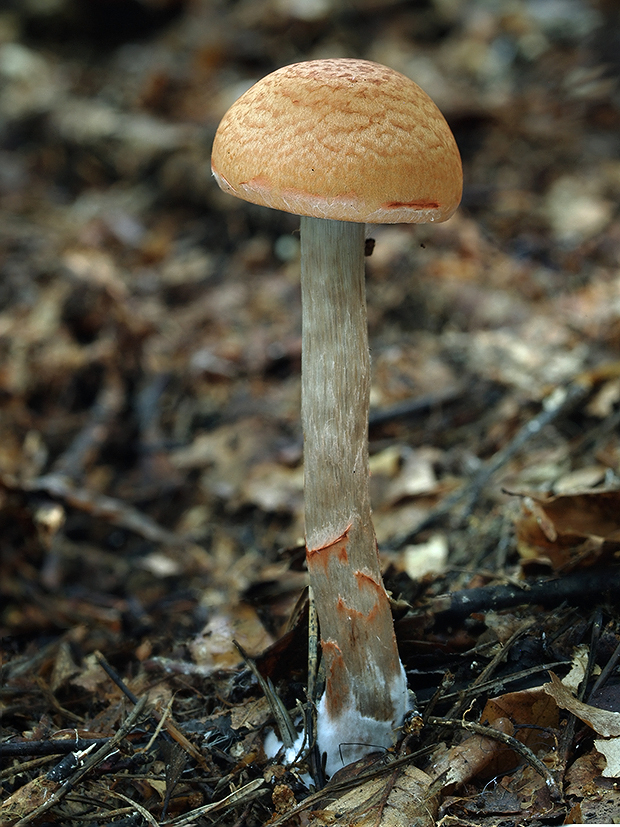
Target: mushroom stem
pixel 365 694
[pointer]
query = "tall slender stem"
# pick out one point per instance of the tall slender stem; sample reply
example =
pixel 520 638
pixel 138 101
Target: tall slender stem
pixel 335 380
pixel 365 682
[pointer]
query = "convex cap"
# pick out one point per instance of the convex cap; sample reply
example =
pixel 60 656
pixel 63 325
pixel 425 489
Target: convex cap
pixel 344 139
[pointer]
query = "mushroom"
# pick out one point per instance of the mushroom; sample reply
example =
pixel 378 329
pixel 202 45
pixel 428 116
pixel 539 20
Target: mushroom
pixel 342 143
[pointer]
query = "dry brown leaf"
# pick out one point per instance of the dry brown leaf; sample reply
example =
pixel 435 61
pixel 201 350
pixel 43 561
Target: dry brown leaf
pixel 598 802
pixel 91 676
pixel 530 710
pixel 469 759
pixel 581 776
pixel 213 648
pixel 283 798
pixel 603 811
pixel 64 667
pixel 602 721
pixel 568 531
pixel 415 477
pixel 26 799
pixel 426 558
pixel 610 748
pixel 494 798
pixel 517 798
pixel 531 788
pixel 274 487
pixel 391 800
pixel 250 714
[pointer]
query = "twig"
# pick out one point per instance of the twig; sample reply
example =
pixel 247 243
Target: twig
pixel 91 762
pixel 314 759
pixel 441 693
pixel 137 807
pixel 160 724
pixel 288 733
pixel 576 589
pixel 171 728
pixel 109 814
pixel 510 741
pixel 557 403
pixel 249 791
pixel 63 481
pixel 605 672
pixel 415 405
pixel 492 665
pixel 115 678
pixel 115 511
pixel 499 683
pixel 334 788
pixel 89 440
pixel 25 766
pixel 49 746
pixel 567 733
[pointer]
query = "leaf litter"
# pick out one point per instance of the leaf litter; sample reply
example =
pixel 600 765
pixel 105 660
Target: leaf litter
pixel 151 506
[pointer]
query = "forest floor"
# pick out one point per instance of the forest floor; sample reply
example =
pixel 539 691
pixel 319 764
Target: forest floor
pixel 151 502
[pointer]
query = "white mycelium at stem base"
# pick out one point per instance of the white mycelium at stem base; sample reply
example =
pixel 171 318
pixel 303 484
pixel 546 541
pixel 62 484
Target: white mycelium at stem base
pixel 365 697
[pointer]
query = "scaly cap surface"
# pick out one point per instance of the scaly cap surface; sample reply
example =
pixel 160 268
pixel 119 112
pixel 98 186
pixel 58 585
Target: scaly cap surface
pixel 344 139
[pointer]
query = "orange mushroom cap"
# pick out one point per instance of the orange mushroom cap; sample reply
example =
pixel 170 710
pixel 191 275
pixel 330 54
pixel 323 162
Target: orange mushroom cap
pixel 345 139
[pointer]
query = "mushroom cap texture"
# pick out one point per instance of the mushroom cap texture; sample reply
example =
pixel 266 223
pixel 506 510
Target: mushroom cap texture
pixel 345 139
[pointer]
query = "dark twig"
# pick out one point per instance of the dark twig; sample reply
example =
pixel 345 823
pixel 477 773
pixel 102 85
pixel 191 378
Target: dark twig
pixel 254 789
pixel 171 728
pixel 116 678
pixel 605 672
pixel 577 589
pixel 557 403
pixel 88 442
pixel 414 406
pixel 503 652
pixel 62 483
pixel 115 511
pixel 288 734
pixel 498 684
pixel 567 733
pixel 595 638
pixel 314 758
pixel 50 746
pixel 90 763
pixel 513 743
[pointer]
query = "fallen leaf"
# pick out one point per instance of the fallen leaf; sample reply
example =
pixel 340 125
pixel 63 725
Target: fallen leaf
pixel 596 801
pixel 64 667
pixel 250 714
pixel 610 748
pixel 388 800
pixel 569 531
pixel 602 721
pixel 530 710
pixel 26 799
pixel 430 557
pixel 214 649
pixel 469 759
pixel 91 677
pixel 417 476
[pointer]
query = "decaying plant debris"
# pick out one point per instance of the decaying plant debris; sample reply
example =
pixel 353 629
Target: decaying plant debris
pixel 150 444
